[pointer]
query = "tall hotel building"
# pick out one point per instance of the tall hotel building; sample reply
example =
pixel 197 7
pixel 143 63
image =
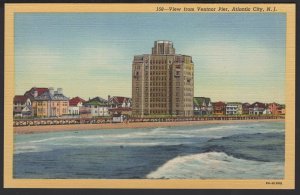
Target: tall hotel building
pixel 162 82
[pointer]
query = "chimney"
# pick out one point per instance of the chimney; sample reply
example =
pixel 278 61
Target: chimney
pixel 35 93
pixel 59 91
pixel 51 90
pixel 108 97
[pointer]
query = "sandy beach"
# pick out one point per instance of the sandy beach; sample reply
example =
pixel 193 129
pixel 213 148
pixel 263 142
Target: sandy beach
pixel 82 127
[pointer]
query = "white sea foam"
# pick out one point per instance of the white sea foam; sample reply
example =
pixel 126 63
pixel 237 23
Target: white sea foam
pixel 31 148
pixel 137 137
pixel 217 165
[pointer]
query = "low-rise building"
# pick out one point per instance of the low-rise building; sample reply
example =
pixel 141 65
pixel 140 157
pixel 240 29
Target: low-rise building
pixel 281 109
pixel 234 108
pixel 258 108
pixel 22 106
pixel 202 106
pixel 119 102
pixel 74 105
pixel 245 107
pixel 85 112
pixel 273 107
pixel 47 102
pixel 98 106
pixel 219 108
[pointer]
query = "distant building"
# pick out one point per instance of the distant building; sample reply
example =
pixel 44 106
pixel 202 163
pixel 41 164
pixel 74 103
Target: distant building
pixel 98 106
pixel 85 112
pixel 234 108
pixel 162 82
pixel 245 107
pixel 202 106
pixel 258 108
pixel 219 108
pixel 35 92
pixel 273 107
pixel 119 102
pixel 74 105
pixel 22 106
pixel 47 102
pixel 281 109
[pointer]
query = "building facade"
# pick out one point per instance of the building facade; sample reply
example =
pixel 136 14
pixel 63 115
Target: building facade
pixel 22 106
pixel 281 109
pixel 119 102
pixel 219 108
pixel 246 108
pixel 202 106
pixel 48 103
pixel 258 108
pixel 98 107
pixel 74 105
pixel 234 108
pixel 162 82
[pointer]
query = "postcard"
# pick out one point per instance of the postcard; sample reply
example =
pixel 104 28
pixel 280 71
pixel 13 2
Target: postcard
pixel 149 96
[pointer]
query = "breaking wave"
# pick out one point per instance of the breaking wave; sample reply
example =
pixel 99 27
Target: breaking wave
pixel 218 165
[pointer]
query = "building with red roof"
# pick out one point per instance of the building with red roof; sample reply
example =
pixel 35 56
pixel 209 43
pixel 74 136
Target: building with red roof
pixel 119 102
pixel 47 103
pixel 35 92
pixel 219 108
pixel 74 105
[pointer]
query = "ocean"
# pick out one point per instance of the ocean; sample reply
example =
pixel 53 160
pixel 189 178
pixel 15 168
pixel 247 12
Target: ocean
pixel 212 151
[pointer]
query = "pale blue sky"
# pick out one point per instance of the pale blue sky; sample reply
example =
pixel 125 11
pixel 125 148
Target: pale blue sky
pixel 237 57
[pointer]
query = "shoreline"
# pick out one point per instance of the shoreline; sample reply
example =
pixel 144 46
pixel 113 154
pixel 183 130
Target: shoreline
pixel 83 127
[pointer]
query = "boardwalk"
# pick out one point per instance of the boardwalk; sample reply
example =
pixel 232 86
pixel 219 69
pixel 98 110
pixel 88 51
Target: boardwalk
pixel 69 121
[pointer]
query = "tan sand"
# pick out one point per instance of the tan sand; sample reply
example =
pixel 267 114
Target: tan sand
pixel 77 127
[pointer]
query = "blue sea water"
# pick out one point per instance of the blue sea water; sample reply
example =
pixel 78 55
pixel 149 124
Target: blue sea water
pixel 212 151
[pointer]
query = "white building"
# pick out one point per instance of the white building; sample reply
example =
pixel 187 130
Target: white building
pixel 98 107
pixel 234 108
pixel 74 105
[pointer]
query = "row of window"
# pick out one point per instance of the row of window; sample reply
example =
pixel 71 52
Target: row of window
pixel 157 106
pixel 162 73
pixel 155 89
pixel 156 99
pixel 155 95
pixel 53 103
pixel 73 111
pixel 157 112
pixel 188 99
pixel 162 61
pixel 163 84
pixel 156 78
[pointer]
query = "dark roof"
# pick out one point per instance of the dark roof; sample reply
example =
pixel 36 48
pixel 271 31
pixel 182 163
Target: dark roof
pixel 20 98
pixel 74 101
pixel 119 100
pixel 198 101
pixel 97 101
pixel 219 103
pixel 258 104
pixel 47 96
pixel 40 91
pixel 246 105
pixel 234 103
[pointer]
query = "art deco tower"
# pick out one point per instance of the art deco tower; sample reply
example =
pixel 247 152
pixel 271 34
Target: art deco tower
pixel 162 82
